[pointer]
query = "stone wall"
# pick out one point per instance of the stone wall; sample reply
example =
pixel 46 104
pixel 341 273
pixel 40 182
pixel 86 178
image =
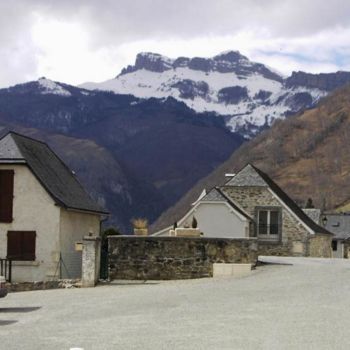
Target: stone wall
pixel 347 249
pixel 294 238
pixel 275 249
pixel 175 257
pixel 321 246
pixel 43 285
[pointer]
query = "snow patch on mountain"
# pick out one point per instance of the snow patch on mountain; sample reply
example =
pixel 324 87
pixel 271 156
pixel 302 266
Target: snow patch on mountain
pixel 147 84
pixel 48 86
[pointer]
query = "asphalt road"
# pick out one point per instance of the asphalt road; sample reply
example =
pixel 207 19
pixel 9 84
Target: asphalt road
pixel 301 306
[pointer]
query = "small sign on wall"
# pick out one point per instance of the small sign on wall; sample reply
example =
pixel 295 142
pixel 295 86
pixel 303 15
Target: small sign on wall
pixel 78 246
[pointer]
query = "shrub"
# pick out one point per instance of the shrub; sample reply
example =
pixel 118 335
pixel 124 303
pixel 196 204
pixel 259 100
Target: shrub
pixel 140 223
pixel 194 222
pixel 309 204
pixel 110 231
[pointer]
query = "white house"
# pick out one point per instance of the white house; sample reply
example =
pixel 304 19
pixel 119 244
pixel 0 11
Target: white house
pixel 217 216
pixel 44 211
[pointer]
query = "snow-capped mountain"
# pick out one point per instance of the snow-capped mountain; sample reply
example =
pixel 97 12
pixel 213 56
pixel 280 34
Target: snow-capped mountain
pixel 126 137
pixel 249 94
pixel 44 86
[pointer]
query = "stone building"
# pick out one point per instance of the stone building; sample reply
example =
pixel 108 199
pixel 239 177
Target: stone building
pixel 44 211
pixel 251 204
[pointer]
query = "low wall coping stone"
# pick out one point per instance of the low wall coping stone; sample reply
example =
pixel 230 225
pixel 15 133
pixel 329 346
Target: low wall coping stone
pixel 231 269
pixel 201 238
pixel 187 232
pixel 92 238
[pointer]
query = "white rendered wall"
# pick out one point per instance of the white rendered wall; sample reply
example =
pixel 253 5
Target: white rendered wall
pixel 339 253
pixel 74 226
pixel 33 210
pixel 217 220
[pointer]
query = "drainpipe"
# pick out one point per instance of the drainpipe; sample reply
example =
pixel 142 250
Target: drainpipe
pixel 102 221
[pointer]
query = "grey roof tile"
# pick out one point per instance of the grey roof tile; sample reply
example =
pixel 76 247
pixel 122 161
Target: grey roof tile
pixel 314 214
pixel 339 225
pixel 216 195
pixel 213 196
pixel 248 176
pixel 9 149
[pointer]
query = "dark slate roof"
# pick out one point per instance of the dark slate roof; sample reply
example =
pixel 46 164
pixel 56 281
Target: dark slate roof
pixel 314 214
pixel 213 196
pixel 247 177
pixel 9 152
pixel 216 195
pixel 252 173
pixel 339 224
pixel 49 169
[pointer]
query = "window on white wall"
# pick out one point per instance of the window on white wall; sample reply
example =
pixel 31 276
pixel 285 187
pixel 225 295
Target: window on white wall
pixel 269 223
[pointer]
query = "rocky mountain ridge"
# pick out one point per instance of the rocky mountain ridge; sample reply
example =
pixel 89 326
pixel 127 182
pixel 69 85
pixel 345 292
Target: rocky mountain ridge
pixel 226 62
pixel 248 95
pixel 322 81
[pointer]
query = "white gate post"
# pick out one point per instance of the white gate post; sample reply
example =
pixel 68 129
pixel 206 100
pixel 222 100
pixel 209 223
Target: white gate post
pixel 91 260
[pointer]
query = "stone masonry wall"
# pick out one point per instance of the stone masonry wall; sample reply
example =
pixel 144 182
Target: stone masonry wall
pixel 346 249
pixel 295 237
pixel 167 258
pixel 320 246
pixel 43 285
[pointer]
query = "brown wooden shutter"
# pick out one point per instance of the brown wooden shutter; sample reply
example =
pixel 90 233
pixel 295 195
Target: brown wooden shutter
pixel 6 195
pixel 21 245
pixel 28 245
pixel 14 245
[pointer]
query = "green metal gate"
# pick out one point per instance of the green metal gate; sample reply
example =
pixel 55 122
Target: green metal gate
pixel 104 264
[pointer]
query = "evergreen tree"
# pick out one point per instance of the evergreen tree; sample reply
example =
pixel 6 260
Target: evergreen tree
pixel 309 204
pixel 194 222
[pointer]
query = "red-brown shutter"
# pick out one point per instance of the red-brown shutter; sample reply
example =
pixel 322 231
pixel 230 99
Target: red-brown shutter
pixel 21 245
pixel 14 245
pixel 28 245
pixel 6 195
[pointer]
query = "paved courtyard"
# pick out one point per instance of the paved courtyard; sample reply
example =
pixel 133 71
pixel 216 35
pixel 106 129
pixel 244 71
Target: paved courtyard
pixel 301 306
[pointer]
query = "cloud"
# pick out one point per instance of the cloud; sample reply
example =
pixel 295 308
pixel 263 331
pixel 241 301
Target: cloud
pixel 76 41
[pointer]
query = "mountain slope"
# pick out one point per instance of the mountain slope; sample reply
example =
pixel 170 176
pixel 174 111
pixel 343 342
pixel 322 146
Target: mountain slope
pixel 135 156
pixel 306 154
pixel 249 95
pixel 93 165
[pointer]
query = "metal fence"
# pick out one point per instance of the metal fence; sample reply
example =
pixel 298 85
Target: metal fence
pixel 6 269
pixel 69 265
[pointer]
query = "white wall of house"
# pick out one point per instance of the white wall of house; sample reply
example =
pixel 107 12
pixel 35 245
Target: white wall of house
pixel 33 210
pixel 74 226
pixel 339 252
pixel 217 219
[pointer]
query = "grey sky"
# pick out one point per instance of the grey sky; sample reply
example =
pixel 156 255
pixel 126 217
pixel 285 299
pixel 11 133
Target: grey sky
pixel 80 40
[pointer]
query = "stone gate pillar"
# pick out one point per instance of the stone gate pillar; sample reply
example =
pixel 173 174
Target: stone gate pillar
pixel 91 260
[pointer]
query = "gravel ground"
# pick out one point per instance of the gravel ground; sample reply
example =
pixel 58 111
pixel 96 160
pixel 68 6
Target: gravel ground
pixel 279 306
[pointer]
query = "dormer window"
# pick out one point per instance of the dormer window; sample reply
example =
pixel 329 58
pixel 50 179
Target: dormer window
pixel 269 222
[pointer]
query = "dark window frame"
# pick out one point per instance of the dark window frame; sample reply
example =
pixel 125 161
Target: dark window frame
pixel 268 236
pixel 334 245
